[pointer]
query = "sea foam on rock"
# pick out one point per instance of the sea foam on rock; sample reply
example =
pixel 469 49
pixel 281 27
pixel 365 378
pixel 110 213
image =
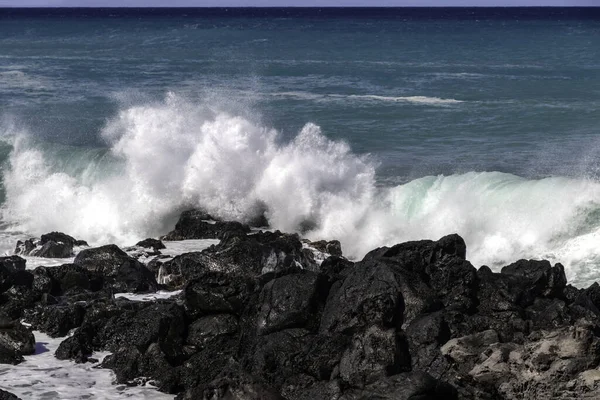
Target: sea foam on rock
pixel 257 318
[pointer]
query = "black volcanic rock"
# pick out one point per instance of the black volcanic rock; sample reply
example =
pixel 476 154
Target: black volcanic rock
pixel 4 395
pixel 405 386
pixel 218 292
pixel 263 252
pixel 333 247
pixel 206 329
pixel 150 243
pixel 58 319
pixel 259 319
pixel 52 249
pixel 77 347
pixel 51 245
pixel 122 272
pixel 15 342
pixel 66 279
pixel 195 224
pixel 12 272
pixel 291 301
pixel 368 296
pixel 24 247
pixel 59 237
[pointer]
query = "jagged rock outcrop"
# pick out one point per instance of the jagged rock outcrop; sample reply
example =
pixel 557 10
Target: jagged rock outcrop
pixel 4 395
pixel 195 224
pixel 50 245
pixel 258 318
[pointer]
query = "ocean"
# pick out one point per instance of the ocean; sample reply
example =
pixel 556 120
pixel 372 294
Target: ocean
pixel 371 126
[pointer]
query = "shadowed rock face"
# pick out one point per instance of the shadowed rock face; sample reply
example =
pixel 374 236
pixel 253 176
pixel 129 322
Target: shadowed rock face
pixel 258 318
pixel 15 342
pixel 4 395
pixel 125 273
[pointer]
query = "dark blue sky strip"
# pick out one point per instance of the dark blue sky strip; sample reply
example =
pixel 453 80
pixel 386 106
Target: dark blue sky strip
pixel 408 13
pixel 285 3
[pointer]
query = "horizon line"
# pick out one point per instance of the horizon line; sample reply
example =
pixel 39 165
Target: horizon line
pixel 291 6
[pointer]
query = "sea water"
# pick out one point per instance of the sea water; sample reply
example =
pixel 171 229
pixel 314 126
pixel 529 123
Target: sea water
pixel 368 126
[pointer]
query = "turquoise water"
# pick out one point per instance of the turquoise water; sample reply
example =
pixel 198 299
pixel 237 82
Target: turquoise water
pixel 485 126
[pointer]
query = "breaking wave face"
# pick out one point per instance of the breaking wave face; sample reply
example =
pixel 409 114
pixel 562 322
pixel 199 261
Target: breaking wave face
pixel 177 155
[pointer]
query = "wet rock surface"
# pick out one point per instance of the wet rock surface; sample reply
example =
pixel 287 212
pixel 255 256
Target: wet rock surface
pixel 15 341
pixel 195 224
pixel 259 318
pixel 4 395
pixel 123 272
pixel 50 245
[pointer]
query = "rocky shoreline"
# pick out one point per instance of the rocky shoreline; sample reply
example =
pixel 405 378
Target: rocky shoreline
pixel 266 315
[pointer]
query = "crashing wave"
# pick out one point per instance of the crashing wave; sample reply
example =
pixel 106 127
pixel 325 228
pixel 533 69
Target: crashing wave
pixel 176 155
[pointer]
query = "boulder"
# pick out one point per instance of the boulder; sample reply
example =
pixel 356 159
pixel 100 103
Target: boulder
pixel 13 273
pixel 52 249
pixel 218 292
pixel 125 363
pixel 465 351
pixel 370 295
pixel 24 247
pixel 162 323
pixel 77 347
pixel 4 395
pixel 305 387
pixel 66 279
pixel 333 247
pixel 195 224
pixel 51 245
pixel 284 354
pixel 189 266
pixel 291 301
pixel 150 243
pixel 232 383
pixel 206 329
pixel 262 252
pixel 123 273
pixel 374 354
pixel 56 320
pixel 15 341
pixel 405 386
pixel 425 335
pixel 59 237
pixel 541 278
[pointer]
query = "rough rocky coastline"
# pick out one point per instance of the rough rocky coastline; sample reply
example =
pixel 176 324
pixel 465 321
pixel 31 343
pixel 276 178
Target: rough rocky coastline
pixel 267 315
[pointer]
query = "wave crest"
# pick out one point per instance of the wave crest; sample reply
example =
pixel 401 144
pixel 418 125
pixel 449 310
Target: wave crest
pixel 176 155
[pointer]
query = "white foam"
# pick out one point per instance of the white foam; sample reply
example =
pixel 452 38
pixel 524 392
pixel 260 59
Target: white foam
pixel 160 295
pixel 42 376
pixel 409 99
pixel 425 100
pixel 178 155
pixel 178 247
pixel 34 262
